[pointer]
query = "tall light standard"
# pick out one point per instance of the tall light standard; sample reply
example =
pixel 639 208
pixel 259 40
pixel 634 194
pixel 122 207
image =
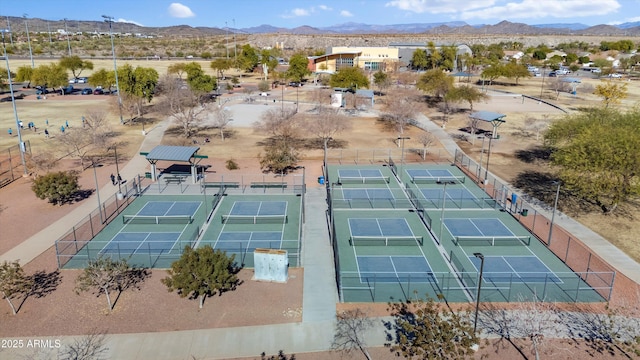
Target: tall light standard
pixel 326 140
pixel 9 28
pixel 66 31
pixel 13 102
pixel 109 19
pixel 49 32
pixel 480 162
pixel 486 169
pixel 235 52
pixel 226 38
pixel 95 176
pixel 26 24
pixel 475 321
pixel 403 138
pixel 553 214
pixel 444 202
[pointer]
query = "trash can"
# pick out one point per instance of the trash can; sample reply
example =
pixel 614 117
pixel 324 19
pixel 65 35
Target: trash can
pixel 147 175
pixel 321 180
pixel 524 212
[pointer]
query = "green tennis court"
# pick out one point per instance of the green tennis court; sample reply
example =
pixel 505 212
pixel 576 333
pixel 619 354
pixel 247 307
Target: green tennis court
pixel 243 223
pixel 152 232
pixel 438 243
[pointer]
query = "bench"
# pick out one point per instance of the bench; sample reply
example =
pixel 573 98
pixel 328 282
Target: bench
pixel 219 184
pixel 265 185
pixel 173 179
pixel 4 182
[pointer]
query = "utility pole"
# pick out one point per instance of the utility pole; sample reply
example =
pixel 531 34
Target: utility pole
pixel 26 24
pixel 109 19
pixel 226 38
pixel 235 52
pixel 9 29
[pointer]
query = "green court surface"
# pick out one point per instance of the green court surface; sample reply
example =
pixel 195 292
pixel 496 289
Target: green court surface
pixel 385 250
pixel 242 223
pixel 151 232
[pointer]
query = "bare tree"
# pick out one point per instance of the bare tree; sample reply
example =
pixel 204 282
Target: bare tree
pixel 327 123
pixel 349 336
pixel 77 142
pixel 88 347
pixel 426 140
pixel 279 123
pixel 536 125
pixel 97 125
pixel 222 116
pixel 181 104
pixel 322 97
pixel 402 106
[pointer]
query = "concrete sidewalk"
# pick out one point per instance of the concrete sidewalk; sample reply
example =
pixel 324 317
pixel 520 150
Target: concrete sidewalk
pixel 40 242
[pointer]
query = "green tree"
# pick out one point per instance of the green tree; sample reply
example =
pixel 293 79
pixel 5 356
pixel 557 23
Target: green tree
pixel 104 78
pixel 75 64
pixel 178 69
pixel 420 329
pixel 466 93
pixel 13 283
pixel 206 55
pixel 598 154
pixel 298 67
pixel 24 74
pixel 58 187
pixel 137 86
pixel 434 57
pixel 104 275
pixel 515 70
pixel 419 59
pixel 611 93
pixel 202 273
pixel 198 81
pixel 493 72
pixel 539 54
pixel 248 58
pixel 52 75
pixel 349 77
pixel 381 80
pixel 220 66
pixel 435 82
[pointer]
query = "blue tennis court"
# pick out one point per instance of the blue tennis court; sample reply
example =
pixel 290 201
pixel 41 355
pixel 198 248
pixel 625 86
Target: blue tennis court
pixel 506 269
pixel 477 227
pixel 392 269
pixel 169 208
pixel 383 227
pixel 361 176
pixel 248 240
pixel 373 194
pixel 431 173
pixel 452 194
pixel 259 208
pixel 130 243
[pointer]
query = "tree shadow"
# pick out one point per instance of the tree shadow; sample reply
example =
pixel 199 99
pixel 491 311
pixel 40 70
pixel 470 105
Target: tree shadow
pixel 131 279
pixel 81 195
pixel 533 154
pixel 42 284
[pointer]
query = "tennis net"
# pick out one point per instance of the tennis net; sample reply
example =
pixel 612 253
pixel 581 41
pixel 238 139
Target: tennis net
pixel 251 219
pixel 492 240
pixel 437 180
pixel 363 180
pixel 385 240
pixel 165 219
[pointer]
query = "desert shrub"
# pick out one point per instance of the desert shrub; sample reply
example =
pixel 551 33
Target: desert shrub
pixel 232 165
pixel 58 187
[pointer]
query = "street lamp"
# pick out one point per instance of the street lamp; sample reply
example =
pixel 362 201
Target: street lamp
pixel 9 28
pixel 67 33
pixel 444 199
pixel 553 214
pixel 95 176
pixel 226 38
pixel 403 138
pixel 109 19
pixel 486 169
pixel 26 24
pixel 326 140
pixel 481 257
pixel 13 103
pixel 480 162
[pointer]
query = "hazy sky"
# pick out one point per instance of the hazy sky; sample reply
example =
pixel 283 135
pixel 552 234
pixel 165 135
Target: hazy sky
pixel 324 13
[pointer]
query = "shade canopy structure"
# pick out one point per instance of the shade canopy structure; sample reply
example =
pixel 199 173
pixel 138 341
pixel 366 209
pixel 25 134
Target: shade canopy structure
pixel 188 154
pixel 574 83
pixel 495 119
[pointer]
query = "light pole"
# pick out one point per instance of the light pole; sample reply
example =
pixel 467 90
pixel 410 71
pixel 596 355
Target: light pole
pixel 13 103
pixel 50 42
pixel 326 140
pixel 26 24
pixel 9 28
pixel 95 176
pixel 403 138
pixel 475 321
pixel 67 33
pixel 235 52
pixel 109 19
pixel 115 151
pixel 486 169
pixel 226 38
pixel 480 162
pixel 542 86
pixel 444 199
pixel 553 214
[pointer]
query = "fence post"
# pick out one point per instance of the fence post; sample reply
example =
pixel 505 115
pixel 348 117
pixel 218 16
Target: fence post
pixel 566 254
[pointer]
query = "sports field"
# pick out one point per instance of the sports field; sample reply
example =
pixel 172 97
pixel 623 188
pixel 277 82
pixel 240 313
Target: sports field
pixel 436 233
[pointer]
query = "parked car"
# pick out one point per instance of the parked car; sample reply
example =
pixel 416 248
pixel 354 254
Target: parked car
pixel 553 74
pixel 87 91
pixel 73 81
pixel 83 80
pixel 596 71
pixel 295 84
pixel 615 75
pixel 68 90
pixel 98 92
pixel 264 94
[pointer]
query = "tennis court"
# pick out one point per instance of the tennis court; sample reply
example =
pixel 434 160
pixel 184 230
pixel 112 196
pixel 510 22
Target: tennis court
pixel 361 176
pixel 152 232
pixel 250 222
pixel 435 245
